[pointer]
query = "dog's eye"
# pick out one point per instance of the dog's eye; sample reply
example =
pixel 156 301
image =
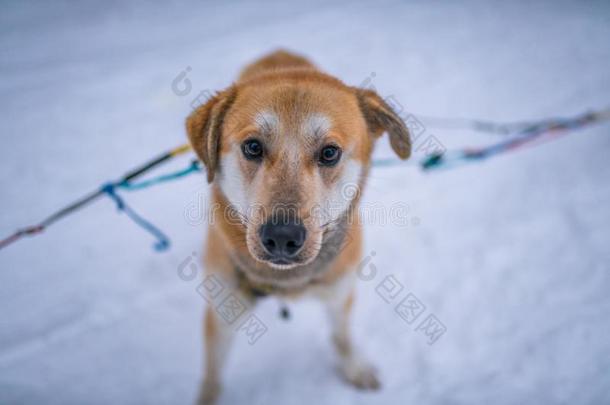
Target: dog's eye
pixel 329 155
pixel 252 149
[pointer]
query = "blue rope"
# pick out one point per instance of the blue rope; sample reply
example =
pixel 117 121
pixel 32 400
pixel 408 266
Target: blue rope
pixel 527 134
pixel 194 167
pixel 445 160
pixel 162 242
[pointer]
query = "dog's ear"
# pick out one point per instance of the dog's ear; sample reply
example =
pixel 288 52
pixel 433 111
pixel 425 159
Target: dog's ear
pixel 380 117
pixel 204 127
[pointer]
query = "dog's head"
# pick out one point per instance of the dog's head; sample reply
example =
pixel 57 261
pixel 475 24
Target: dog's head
pixel 290 155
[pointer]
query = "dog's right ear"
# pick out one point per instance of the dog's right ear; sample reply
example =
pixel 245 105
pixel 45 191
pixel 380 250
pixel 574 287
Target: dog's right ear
pixel 204 127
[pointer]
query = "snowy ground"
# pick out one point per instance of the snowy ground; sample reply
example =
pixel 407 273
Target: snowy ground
pixel 510 255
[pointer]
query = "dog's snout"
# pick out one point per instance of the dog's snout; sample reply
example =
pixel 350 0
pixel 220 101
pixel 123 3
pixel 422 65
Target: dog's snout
pixel 283 240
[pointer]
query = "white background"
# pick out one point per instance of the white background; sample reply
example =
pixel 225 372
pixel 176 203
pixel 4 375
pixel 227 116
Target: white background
pixel 510 254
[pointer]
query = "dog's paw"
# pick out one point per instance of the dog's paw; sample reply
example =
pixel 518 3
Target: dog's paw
pixel 208 393
pixel 360 374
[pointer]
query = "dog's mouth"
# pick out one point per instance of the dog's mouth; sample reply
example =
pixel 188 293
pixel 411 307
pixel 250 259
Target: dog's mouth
pixel 279 261
pixel 283 263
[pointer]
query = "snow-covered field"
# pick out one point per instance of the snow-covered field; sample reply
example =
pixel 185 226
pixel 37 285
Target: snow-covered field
pixel 511 255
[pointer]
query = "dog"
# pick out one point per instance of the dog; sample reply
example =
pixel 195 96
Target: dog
pixel 280 148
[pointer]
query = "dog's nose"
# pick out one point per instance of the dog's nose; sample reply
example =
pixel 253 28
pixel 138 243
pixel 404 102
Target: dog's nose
pixel 283 239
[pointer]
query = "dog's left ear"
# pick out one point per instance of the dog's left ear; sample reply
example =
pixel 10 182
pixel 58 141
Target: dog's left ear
pixel 380 117
pixel 204 128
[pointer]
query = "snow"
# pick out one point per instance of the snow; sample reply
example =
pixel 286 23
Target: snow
pixel 511 255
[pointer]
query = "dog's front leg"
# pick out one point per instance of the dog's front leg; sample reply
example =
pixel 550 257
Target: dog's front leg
pixel 354 368
pixel 218 335
pixel 218 338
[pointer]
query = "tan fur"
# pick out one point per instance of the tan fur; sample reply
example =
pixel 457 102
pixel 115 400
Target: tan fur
pixel 275 61
pixel 274 98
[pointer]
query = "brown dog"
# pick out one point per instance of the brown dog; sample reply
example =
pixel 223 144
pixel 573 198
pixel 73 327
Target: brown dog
pixel 287 149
